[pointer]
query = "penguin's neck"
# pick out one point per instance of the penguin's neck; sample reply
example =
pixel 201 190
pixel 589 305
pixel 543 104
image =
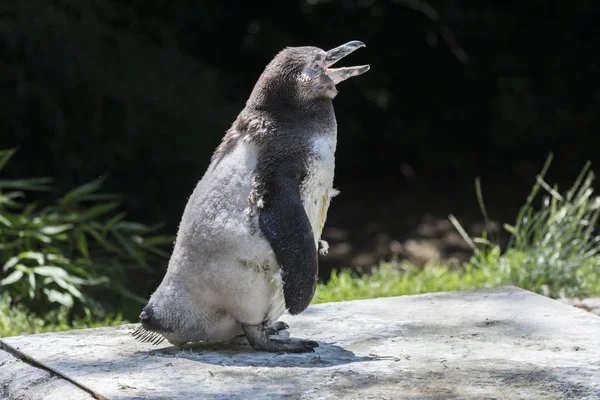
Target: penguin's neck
pixel 314 116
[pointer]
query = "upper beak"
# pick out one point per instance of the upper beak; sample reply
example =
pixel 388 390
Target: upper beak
pixel 334 55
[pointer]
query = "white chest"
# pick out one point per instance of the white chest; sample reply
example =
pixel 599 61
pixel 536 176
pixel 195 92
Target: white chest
pixel 317 190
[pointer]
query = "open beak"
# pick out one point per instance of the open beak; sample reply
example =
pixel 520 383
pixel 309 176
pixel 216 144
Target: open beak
pixel 338 75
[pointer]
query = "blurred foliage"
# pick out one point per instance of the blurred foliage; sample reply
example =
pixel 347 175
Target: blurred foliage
pixel 18 320
pixel 554 251
pixel 53 256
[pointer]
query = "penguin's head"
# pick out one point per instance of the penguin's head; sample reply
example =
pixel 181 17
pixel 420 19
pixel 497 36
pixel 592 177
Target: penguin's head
pixel 302 74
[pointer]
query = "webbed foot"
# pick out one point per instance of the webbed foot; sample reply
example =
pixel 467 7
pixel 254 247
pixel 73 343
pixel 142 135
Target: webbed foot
pixel 258 337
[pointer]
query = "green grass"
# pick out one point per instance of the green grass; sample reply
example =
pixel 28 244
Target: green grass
pixel 554 250
pixel 397 279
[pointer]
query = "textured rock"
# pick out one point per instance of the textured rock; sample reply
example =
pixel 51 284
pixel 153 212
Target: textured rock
pixel 21 381
pixel 487 344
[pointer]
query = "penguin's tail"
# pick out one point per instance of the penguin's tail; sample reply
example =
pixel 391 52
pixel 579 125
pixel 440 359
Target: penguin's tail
pixel 146 336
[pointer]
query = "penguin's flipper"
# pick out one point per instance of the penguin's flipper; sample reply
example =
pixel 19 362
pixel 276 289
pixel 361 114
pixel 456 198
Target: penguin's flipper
pixel 285 225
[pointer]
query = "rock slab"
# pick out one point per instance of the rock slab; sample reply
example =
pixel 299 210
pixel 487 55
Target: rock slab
pixel 503 343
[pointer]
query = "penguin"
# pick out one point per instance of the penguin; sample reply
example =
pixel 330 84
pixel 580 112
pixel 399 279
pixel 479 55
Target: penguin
pixel 246 247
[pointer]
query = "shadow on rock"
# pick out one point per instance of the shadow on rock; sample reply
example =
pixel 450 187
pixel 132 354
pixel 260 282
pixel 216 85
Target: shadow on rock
pixel 240 354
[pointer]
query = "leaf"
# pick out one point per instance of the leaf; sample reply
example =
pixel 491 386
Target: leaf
pixel 160 240
pixel 88 281
pixel 29 208
pixel 56 257
pixel 31 288
pixel 101 240
pixel 42 238
pixel 82 244
pixel 69 287
pixel 5 221
pixel 55 296
pixel 131 227
pixel 10 263
pixel 82 190
pixel 130 250
pixel 38 236
pixel 101 197
pixel 12 278
pixel 32 255
pixel 11 245
pixel 61 236
pixel 5 156
pixel 76 269
pixel 7 199
pixel 32 184
pixel 50 271
pixel 74 291
pixel 55 229
pixel 114 220
pixel 98 210
pixel 22 267
pixel 14 195
pixel 510 229
pixel 155 227
pixel 155 251
pixel 130 295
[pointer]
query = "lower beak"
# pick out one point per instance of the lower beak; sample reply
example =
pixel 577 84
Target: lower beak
pixel 338 75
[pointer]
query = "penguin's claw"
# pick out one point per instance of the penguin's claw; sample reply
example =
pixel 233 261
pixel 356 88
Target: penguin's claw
pixel 276 328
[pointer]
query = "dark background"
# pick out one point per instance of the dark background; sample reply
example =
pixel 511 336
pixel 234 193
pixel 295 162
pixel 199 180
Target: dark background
pixel 142 92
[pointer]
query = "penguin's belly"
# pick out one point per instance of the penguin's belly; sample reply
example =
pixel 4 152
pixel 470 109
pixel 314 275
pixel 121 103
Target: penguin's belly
pixel 317 188
pixel 229 266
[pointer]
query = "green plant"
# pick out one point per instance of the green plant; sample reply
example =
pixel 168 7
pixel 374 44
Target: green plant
pixel 18 320
pixel 53 255
pixel 554 250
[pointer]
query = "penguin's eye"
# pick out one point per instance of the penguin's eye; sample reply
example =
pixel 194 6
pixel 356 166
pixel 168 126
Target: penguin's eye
pixel 307 75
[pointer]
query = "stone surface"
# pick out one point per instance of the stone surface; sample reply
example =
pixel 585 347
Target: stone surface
pixel 488 344
pixel 19 380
